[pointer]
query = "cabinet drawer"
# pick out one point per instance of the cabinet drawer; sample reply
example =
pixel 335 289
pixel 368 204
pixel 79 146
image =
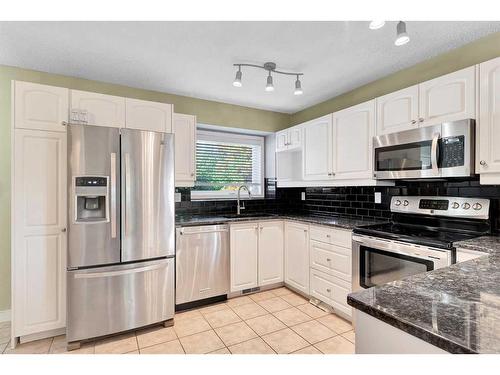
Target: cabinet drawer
pixel 337 237
pixel 331 259
pixel 331 290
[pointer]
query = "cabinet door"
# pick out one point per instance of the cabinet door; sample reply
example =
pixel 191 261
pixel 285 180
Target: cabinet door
pixel 489 116
pixel 295 137
pixel 243 256
pixel 184 129
pixel 40 107
pixel 317 164
pixel 397 111
pixel 270 252
pixel 144 115
pixel 101 110
pixel 297 256
pixel 353 129
pixel 281 140
pixel 448 98
pixel 332 291
pixel 39 218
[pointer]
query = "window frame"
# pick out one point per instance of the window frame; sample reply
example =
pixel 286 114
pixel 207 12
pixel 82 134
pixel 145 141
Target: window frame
pixel 229 137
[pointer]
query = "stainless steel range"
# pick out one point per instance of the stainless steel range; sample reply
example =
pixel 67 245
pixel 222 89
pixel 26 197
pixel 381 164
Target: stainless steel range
pixel 121 230
pixel 419 238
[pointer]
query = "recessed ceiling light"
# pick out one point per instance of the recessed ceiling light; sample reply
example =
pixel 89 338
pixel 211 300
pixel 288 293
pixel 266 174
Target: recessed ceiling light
pixel 402 36
pixel 374 25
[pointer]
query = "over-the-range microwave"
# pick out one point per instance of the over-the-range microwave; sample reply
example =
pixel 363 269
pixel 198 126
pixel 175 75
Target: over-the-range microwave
pixel 438 151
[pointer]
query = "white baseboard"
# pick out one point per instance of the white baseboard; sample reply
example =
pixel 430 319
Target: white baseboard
pixel 5 316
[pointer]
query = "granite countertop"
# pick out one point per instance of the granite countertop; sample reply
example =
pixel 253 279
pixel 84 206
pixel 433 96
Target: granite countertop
pixel 334 221
pixel 456 308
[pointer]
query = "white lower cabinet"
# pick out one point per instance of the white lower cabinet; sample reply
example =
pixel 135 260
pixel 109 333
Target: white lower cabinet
pixel 297 256
pixel 331 290
pixel 270 267
pixel 39 232
pixel 256 254
pixel 331 259
pixel 244 242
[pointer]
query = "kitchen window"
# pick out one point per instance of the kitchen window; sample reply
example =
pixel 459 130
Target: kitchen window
pixel 224 162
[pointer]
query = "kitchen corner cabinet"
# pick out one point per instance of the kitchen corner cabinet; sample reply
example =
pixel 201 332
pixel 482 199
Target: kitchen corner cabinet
pixel 297 256
pixel 489 122
pixel 184 129
pixel 397 111
pixel 39 214
pixel 271 252
pixel 145 115
pixel 244 244
pixel 448 98
pixel 40 107
pixel 317 154
pixel 289 139
pixel 91 108
pixel 353 129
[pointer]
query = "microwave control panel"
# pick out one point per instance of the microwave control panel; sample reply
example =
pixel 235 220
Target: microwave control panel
pixel 453 151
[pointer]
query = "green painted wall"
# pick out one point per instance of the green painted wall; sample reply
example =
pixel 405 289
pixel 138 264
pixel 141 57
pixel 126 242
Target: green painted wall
pixel 208 112
pixel 473 53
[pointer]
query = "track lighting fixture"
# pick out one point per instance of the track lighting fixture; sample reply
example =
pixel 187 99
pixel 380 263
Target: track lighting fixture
pixel 271 68
pixel 402 36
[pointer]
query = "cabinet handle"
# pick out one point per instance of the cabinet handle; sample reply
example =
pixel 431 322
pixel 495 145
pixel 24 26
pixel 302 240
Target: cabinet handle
pixel 483 163
pixel 192 174
pixel 305 230
pixel 64 123
pixel 421 119
pixel 413 122
pixel 63 230
pixel 328 290
pixel 328 260
pixel 328 236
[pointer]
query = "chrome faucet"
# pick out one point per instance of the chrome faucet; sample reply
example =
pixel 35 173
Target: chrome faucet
pixel 239 208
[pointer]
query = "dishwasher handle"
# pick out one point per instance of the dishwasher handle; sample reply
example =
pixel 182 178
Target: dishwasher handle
pixel 191 230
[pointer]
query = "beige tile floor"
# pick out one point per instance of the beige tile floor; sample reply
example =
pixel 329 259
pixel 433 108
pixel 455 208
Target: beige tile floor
pixel 270 322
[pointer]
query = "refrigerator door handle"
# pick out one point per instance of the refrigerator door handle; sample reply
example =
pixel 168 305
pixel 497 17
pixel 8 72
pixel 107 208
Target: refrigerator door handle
pixel 127 192
pixel 120 272
pixel 113 195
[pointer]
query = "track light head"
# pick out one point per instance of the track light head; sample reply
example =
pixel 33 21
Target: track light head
pixel 374 25
pixel 402 36
pixel 269 85
pixel 298 87
pixel 237 79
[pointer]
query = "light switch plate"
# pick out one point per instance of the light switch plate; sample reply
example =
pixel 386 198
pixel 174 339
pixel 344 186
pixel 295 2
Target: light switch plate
pixel 178 197
pixel 378 197
pixel 303 195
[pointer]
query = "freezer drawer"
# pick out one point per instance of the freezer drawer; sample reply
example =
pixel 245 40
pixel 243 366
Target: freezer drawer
pixel 107 300
pixel 202 262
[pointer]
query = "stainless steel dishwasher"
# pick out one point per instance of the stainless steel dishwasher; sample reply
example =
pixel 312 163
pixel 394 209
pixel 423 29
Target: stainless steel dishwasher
pixel 202 263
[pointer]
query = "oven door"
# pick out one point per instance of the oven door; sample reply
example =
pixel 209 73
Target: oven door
pixel 378 261
pixel 408 154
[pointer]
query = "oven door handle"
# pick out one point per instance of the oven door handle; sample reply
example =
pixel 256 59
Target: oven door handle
pixel 435 153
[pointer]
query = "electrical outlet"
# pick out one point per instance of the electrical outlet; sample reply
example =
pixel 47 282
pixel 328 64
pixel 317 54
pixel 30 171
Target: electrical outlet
pixel 177 197
pixel 378 197
pixel 303 195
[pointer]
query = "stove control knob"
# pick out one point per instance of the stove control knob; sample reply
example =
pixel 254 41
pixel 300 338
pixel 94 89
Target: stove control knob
pixel 477 206
pixel 406 203
pixel 466 206
pixel 398 203
pixel 455 205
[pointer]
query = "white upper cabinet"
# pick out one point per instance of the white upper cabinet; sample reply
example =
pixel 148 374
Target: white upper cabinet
pixel 317 163
pixel 352 130
pixel 184 129
pixel 448 98
pixel 39 236
pixel 270 252
pixel 40 107
pixel 97 109
pixel 289 139
pixel 489 121
pixel 397 111
pixel 243 256
pixel 145 115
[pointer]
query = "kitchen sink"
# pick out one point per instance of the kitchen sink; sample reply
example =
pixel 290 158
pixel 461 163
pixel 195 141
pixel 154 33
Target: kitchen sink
pixel 236 216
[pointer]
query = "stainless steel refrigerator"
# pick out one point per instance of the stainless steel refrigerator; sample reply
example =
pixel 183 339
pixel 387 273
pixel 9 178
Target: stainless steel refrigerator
pixel 121 244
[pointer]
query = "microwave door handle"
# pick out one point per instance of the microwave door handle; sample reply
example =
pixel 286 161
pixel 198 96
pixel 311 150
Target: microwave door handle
pixel 435 153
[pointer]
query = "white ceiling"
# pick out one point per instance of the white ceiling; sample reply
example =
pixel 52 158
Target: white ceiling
pixel 195 58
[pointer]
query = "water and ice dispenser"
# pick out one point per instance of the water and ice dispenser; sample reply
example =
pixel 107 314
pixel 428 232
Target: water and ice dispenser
pixel 91 199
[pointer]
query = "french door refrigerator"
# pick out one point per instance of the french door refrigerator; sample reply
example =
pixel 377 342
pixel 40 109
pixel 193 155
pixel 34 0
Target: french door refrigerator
pixel 121 244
